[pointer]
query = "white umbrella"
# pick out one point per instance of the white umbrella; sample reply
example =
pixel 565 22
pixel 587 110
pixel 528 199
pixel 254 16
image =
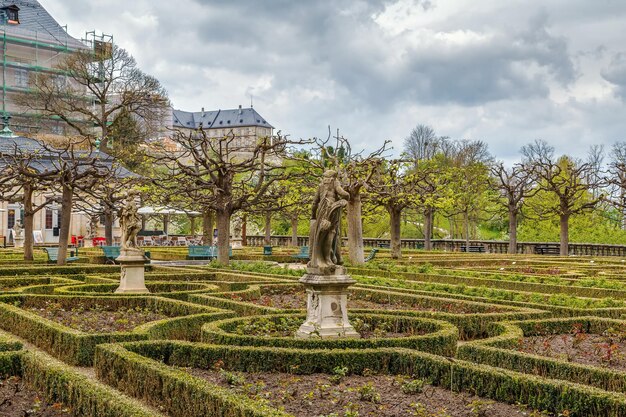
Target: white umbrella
pixel 164 210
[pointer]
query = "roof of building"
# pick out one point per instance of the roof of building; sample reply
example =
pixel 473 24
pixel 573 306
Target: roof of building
pixel 37 23
pixel 48 159
pixel 218 118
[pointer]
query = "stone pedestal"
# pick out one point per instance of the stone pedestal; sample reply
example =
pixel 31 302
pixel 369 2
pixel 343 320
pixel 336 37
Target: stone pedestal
pixel 88 242
pixel 132 280
pixel 236 243
pixel 18 242
pixel 327 306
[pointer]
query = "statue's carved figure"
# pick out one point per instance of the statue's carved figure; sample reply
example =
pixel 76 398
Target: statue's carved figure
pixel 325 245
pixel 18 229
pixel 92 227
pixel 130 223
pixel 237 227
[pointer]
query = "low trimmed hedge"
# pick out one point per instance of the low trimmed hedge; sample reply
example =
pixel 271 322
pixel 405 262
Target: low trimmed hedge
pixel 85 396
pixel 175 290
pixel 440 337
pixel 76 347
pixel 141 369
pixel 499 350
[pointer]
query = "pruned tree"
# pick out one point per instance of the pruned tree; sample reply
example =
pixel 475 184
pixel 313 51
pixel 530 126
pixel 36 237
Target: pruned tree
pixel 355 170
pixel 96 90
pixel 617 179
pixel 24 173
pixel 514 186
pixel 230 176
pixel 567 184
pixel 394 186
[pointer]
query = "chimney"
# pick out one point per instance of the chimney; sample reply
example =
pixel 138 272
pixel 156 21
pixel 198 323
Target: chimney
pixel 203 112
pixel 240 111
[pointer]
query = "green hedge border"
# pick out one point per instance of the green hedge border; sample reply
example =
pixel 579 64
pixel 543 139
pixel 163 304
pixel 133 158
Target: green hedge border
pixel 141 369
pixel 498 350
pixel 77 348
pixel 441 338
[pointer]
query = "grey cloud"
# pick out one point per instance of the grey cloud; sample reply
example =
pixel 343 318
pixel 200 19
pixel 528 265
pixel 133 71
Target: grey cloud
pixel 615 74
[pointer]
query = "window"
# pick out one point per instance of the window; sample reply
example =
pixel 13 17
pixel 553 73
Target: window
pixel 21 78
pixel 11 14
pixel 11 218
pixel 48 219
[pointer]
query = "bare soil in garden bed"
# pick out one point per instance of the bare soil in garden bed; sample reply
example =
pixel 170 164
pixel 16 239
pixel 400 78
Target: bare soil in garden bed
pixel 295 298
pixel 98 319
pixel 378 395
pixel 605 350
pixel 18 400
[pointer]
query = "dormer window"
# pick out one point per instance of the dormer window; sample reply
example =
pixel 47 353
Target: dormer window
pixel 11 14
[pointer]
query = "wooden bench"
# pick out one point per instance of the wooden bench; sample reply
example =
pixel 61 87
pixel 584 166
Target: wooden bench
pixel 53 255
pixel 372 254
pixel 547 250
pixel 474 249
pixel 384 245
pixel 111 253
pixel 304 253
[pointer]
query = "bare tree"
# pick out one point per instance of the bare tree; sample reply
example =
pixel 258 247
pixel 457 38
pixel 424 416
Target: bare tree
pixel 237 177
pixel 24 173
pixel 422 143
pixel 514 185
pixel 355 170
pixel 617 178
pixel 567 180
pixel 94 90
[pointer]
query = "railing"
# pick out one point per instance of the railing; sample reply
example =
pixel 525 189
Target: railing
pixel 491 246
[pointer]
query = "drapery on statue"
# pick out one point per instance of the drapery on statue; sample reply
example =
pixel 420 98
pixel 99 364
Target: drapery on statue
pixel 130 223
pixel 325 245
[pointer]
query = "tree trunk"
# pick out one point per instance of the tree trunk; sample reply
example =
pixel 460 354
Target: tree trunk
pixel 66 218
pixel 564 220
pixel 207 227
pixel 355 231
pixel 223 236
pixel 428 228
pixel 268 228
pixel 29 215
pixel 395 219
pixel 512 231
pixel 192 226
pixel 108 226
pixel 294 230
pixel 244 230
pixel 466 225
pixel 166 223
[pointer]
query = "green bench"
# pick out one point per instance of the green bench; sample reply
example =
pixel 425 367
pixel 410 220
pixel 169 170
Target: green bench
pixel 111 253
pixel 53 255
pixel 205 252
pixel 372 254
pixel 304 253
pixel 267 250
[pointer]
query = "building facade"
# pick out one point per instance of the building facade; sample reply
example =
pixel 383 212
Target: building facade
pixel 32 41
pixel 245 125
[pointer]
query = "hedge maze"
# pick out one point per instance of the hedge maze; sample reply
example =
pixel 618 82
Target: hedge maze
pixel 441 335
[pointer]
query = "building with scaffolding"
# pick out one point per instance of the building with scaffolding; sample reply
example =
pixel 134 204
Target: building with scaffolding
pixel 32 41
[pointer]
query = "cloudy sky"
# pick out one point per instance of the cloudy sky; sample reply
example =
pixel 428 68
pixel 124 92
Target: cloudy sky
pixel 506 72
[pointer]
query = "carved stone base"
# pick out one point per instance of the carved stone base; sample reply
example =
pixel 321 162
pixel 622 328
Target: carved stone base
pixel 236 243
pixel 327 307
pixel 132 280
pixel 18 242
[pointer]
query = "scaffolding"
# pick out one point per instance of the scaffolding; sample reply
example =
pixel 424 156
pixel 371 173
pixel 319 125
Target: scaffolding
pixel 25 52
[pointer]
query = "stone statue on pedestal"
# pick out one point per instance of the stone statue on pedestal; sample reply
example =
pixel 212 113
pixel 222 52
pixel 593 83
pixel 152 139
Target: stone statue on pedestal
pixel 92 227
pixel 326 282
pixel 18 234
pixel 131 259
